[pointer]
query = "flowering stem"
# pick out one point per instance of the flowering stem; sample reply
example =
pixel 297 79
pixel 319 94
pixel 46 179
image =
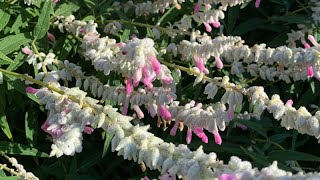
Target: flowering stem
pixel 11 171
pixel 34 47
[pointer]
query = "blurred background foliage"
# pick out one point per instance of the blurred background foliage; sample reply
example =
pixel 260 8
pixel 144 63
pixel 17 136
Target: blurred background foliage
pixel 263 142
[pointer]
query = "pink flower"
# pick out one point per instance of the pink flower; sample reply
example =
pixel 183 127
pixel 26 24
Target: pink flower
pixel 199 132
pixel 199 62
pixel 305 44
pixel 54 130
pixel 217 137
pixel 226 176
pixel 128 85
pixel 197 8
pixel 313 40
pixel 31 90
pixel 230 113
pixel 163 111
pixel 216 24
pixel 55 1
pixel 155 64
pixel 26 50
pixel 310 71
pixel 207 6
pixel 257 4
pixel 219 62
pixel 289 102
pixel 152 111
pixel 137 76
pixel 174 128
pixel 138 111
pixel 88 130
pixel 208 27
pixel 126 106
pixel 189 136
pixel 51 37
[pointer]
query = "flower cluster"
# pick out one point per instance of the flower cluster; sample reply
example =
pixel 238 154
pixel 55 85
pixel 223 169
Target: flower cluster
pixel 147 83
pixel 69 119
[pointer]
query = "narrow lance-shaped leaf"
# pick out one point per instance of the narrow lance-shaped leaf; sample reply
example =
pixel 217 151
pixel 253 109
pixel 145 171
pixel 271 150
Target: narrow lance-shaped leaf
pixel 10 44
pixel 20 149
pixel 3 119
pixel 5 59
pixel 44 20
pixel 4 19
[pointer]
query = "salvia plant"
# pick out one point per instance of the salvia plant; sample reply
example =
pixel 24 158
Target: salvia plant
pixel 163 89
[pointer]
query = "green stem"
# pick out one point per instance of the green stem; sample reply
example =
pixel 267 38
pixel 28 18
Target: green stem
pixel 152 26
pixel 274 143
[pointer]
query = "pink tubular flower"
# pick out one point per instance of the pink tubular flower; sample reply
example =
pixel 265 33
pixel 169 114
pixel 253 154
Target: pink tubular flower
pixel 51 37
pixel 313 40
pixel 310 71
pixel 207 6
pixel 128 85
pixel 257 4
pixel 31 90
pixel 55 1
pixel 88 130
pixel 26 50
pixel 217 137
pixel 289 102
pixel 163 111
pixel 230 113
pixel 219 62
pixel 208 27
pixel 54 130
pixel 216 24
pixel 174 128
pixel 152 111
pixel 189 136
pixel 197 8
pixel 305 44
pixel 199 132
pixel 226 176
pixel 155 64
pixel 126 106
pixel 138 111
pixel 199 62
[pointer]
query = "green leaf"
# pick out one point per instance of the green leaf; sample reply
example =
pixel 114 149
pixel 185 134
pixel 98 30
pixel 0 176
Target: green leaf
pixel 21 87
pixel 286 155
pixel 254 126
pixel 256 157
pixel 5 59
pixel 13 42
pixel 43 23
pixel 106 143
pixel 2 173
pixel 17 24
pixel 20 149
pixel 67 9
pixel 248 25
pixel 67 46
pixel 18 61
pixel 31 127
pixel 233 15
pixel 3 119
pixel 4 19
pixel 125 35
